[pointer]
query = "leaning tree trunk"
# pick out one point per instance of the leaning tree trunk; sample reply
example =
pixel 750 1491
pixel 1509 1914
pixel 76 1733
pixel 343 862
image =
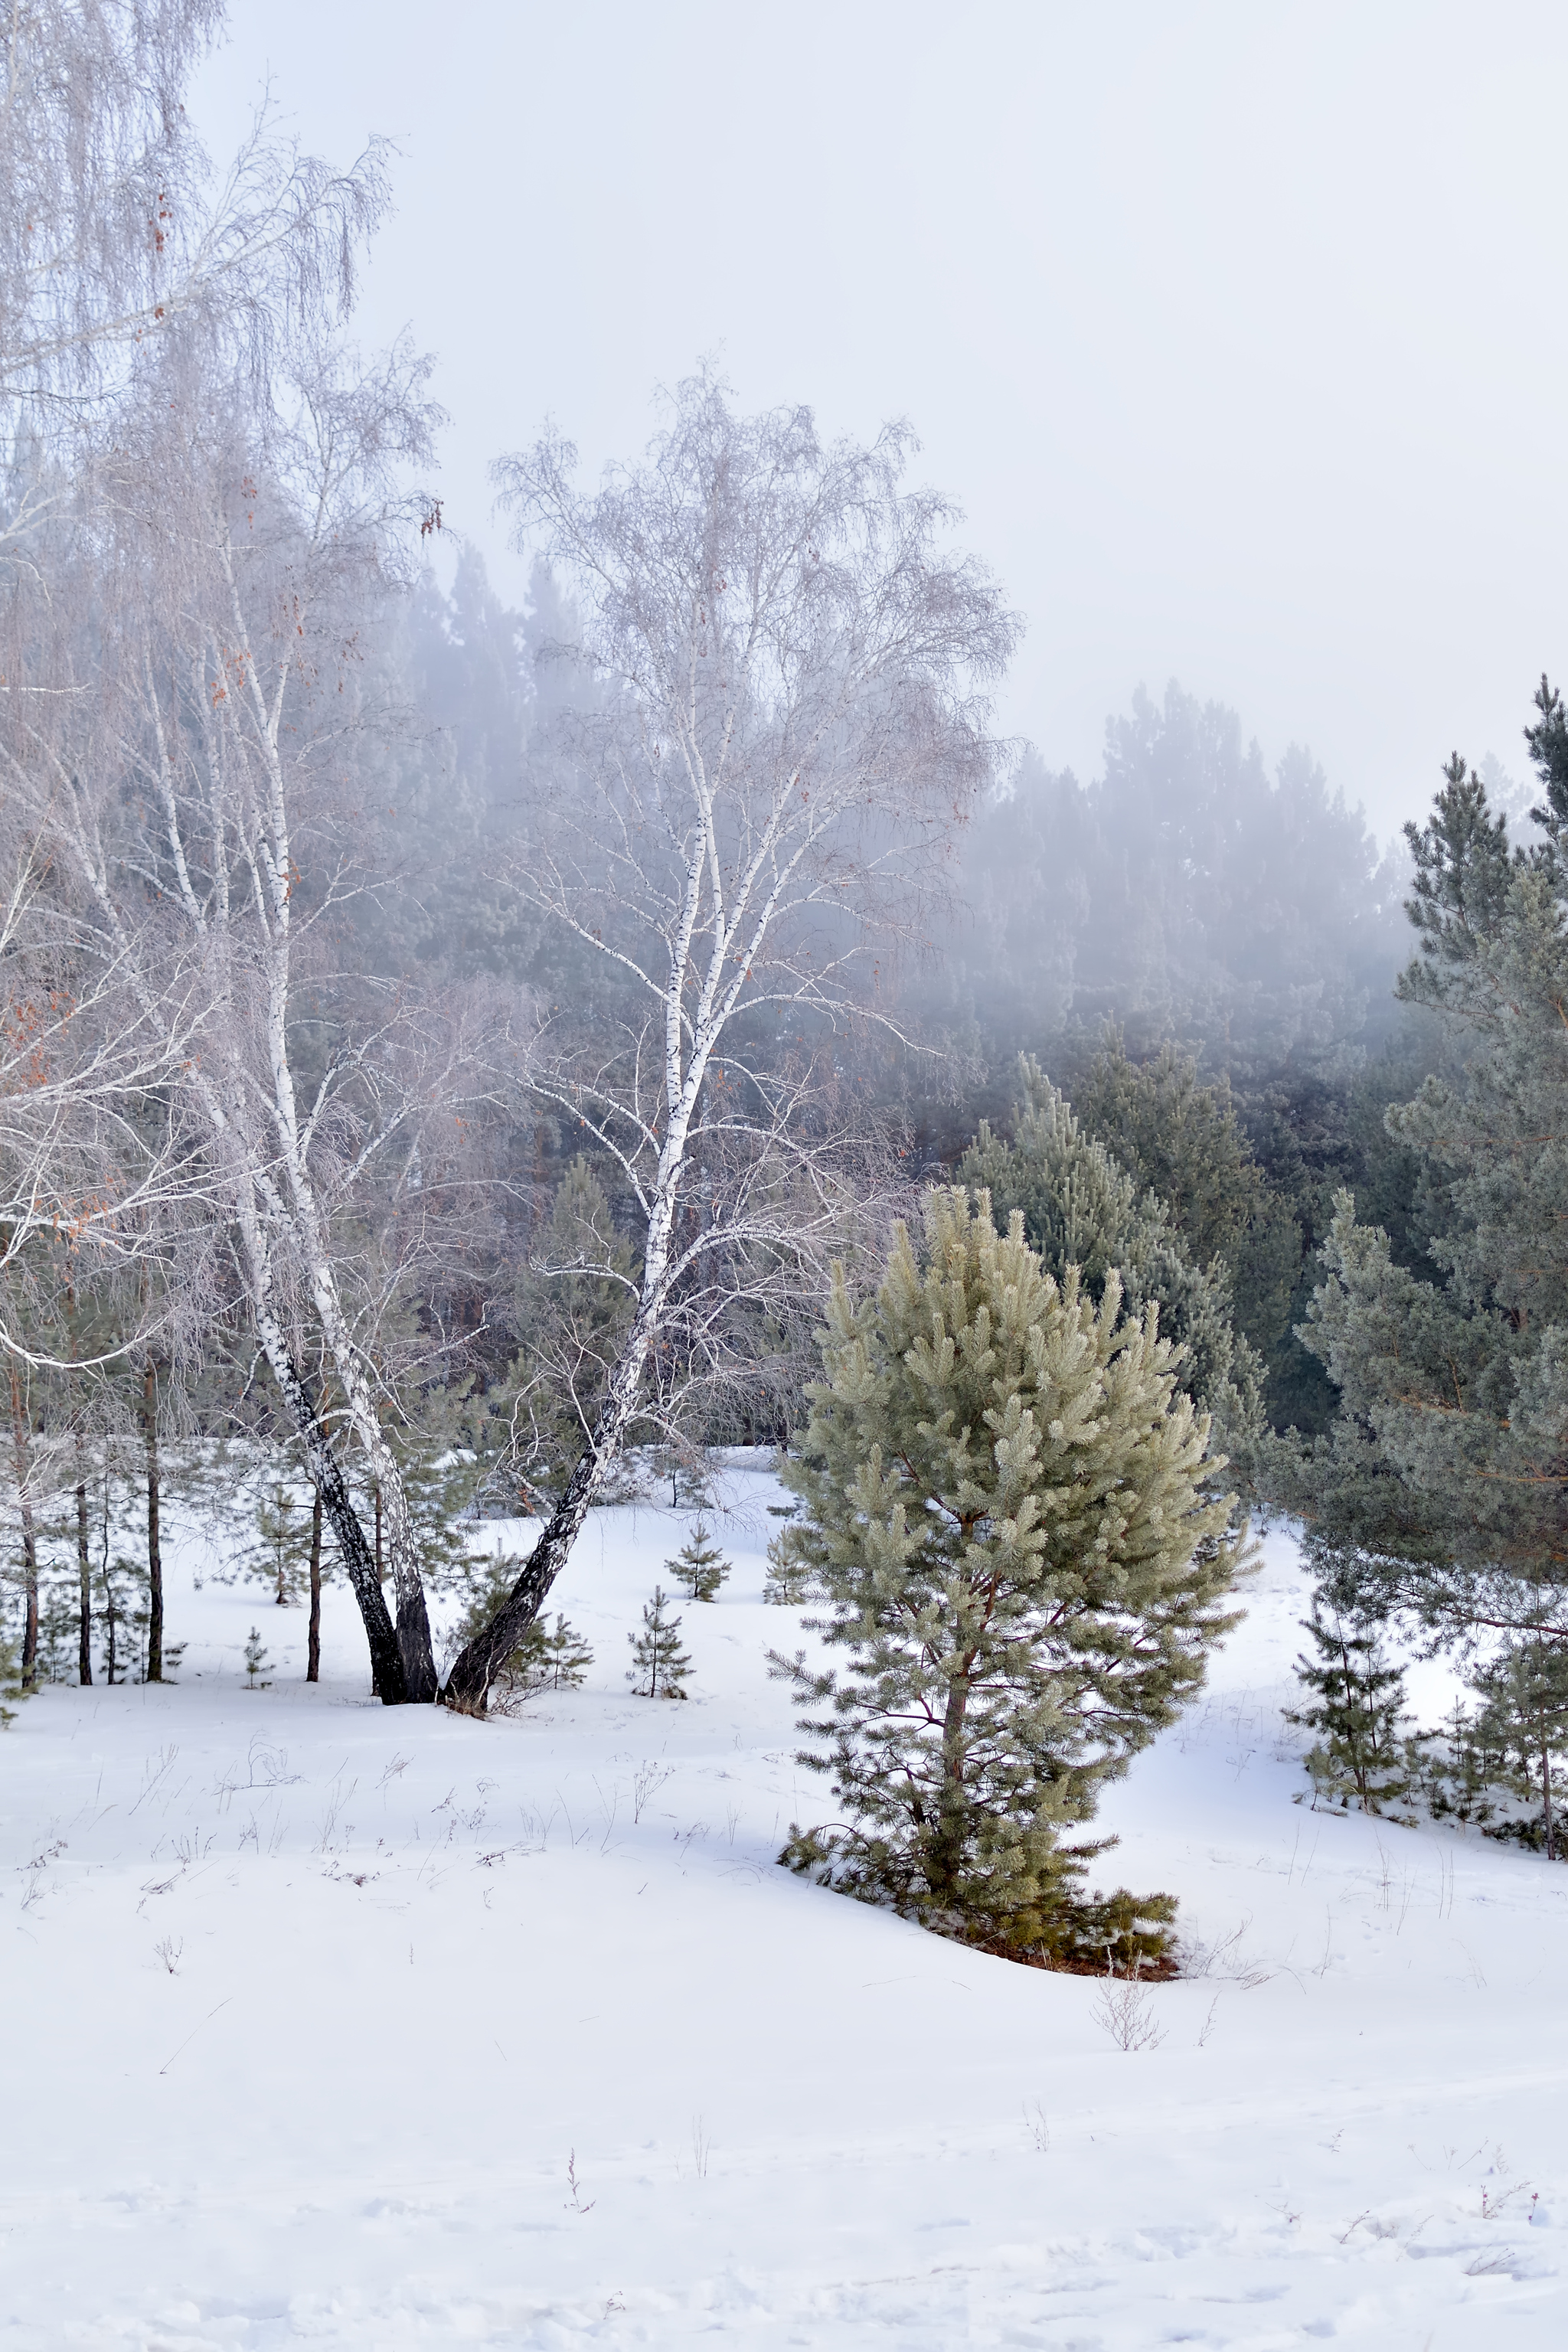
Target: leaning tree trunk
pixel 475 1668
pixel 154 1531
pixel 388 1679
pixel 29 1534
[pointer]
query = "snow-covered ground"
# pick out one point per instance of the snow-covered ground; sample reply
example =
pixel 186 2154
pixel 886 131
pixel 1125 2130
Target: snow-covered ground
pixel 313 2014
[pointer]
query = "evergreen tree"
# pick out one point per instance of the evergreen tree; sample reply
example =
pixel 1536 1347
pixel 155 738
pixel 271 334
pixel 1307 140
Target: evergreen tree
pixel 1522 1720
pixel 256 1661
pixel 1183 1142
pixel 700 1567
pixel 574 1303
pixel 1081 1209
pixel 1447 1464
pixel 1357 1710
pixel 659 1666
pixel 563 1655
pixel 545 1658
pixel 786 1581
pixel 10 1680
pixel 279 1552
pixel 1007 1508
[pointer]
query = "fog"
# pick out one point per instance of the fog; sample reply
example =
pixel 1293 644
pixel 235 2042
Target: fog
pixel 1233 330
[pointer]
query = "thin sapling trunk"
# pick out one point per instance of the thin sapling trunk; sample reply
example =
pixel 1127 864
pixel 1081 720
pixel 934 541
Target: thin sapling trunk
pixel 313 1646
pixel 20 1440
pixel 155 1534
pixel 84 1572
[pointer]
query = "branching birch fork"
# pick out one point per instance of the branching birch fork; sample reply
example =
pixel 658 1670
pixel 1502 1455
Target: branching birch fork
pixel 780 727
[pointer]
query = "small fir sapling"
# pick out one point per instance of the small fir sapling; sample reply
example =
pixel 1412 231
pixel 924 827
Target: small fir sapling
pixel 556 1660
pixel 255 1660
pixel 1357 1710
pixel 787 1582
pixel 700 1567
pixel 282 1540
pixel 659 1666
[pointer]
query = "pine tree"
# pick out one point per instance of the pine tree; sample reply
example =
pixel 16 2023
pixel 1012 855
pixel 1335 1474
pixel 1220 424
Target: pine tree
pixel 1080 1209
pixel 563 1656
pixel 659 1666
pixel 787 1580
pixel 1523 1719
pixel 1183 1142
pixel 700 1567
pixel 1009 1508
pixel 573 1306
pixel 256 1661
pixel 280 1551
pixel 1357 1712
pixel 1442 1471
pixel 10 1680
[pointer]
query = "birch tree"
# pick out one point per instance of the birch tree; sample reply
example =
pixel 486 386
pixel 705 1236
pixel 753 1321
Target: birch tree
pixel 779 722
pixel 113 224
pixel 209 808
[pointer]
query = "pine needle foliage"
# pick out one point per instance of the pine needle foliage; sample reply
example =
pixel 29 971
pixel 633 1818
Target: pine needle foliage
pixel 659 1666
pixel 700 1568
pixel 1009 1510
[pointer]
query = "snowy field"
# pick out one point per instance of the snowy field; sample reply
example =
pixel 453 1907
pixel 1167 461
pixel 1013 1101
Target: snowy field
pixel 314 2012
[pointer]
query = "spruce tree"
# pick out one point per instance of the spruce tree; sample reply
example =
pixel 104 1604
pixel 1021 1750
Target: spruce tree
pixel 659 1666
pixel 700 1567
pixel 1009 1507
pixel 1357 1710
pixel 1080 1209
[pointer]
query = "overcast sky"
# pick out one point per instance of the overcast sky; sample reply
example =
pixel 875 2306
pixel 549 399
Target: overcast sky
pixel 1237 331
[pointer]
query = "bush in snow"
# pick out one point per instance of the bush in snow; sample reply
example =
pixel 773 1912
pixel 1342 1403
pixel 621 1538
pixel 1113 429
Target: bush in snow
pixel 1012 1514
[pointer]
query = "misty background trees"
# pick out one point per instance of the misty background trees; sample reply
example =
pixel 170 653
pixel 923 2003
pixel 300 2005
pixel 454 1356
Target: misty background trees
pixel 445 1048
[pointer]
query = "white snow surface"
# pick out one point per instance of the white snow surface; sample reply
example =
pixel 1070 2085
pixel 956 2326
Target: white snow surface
pixel 414 1966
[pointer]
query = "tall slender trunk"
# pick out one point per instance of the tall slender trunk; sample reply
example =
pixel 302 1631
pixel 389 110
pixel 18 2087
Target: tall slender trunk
pixel 83 1568
pixel 380 1569
pixel 20 1440
pixel 154 1535
pixel 313 1646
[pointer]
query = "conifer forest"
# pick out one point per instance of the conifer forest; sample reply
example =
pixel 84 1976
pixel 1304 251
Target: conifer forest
pixel 782 1548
